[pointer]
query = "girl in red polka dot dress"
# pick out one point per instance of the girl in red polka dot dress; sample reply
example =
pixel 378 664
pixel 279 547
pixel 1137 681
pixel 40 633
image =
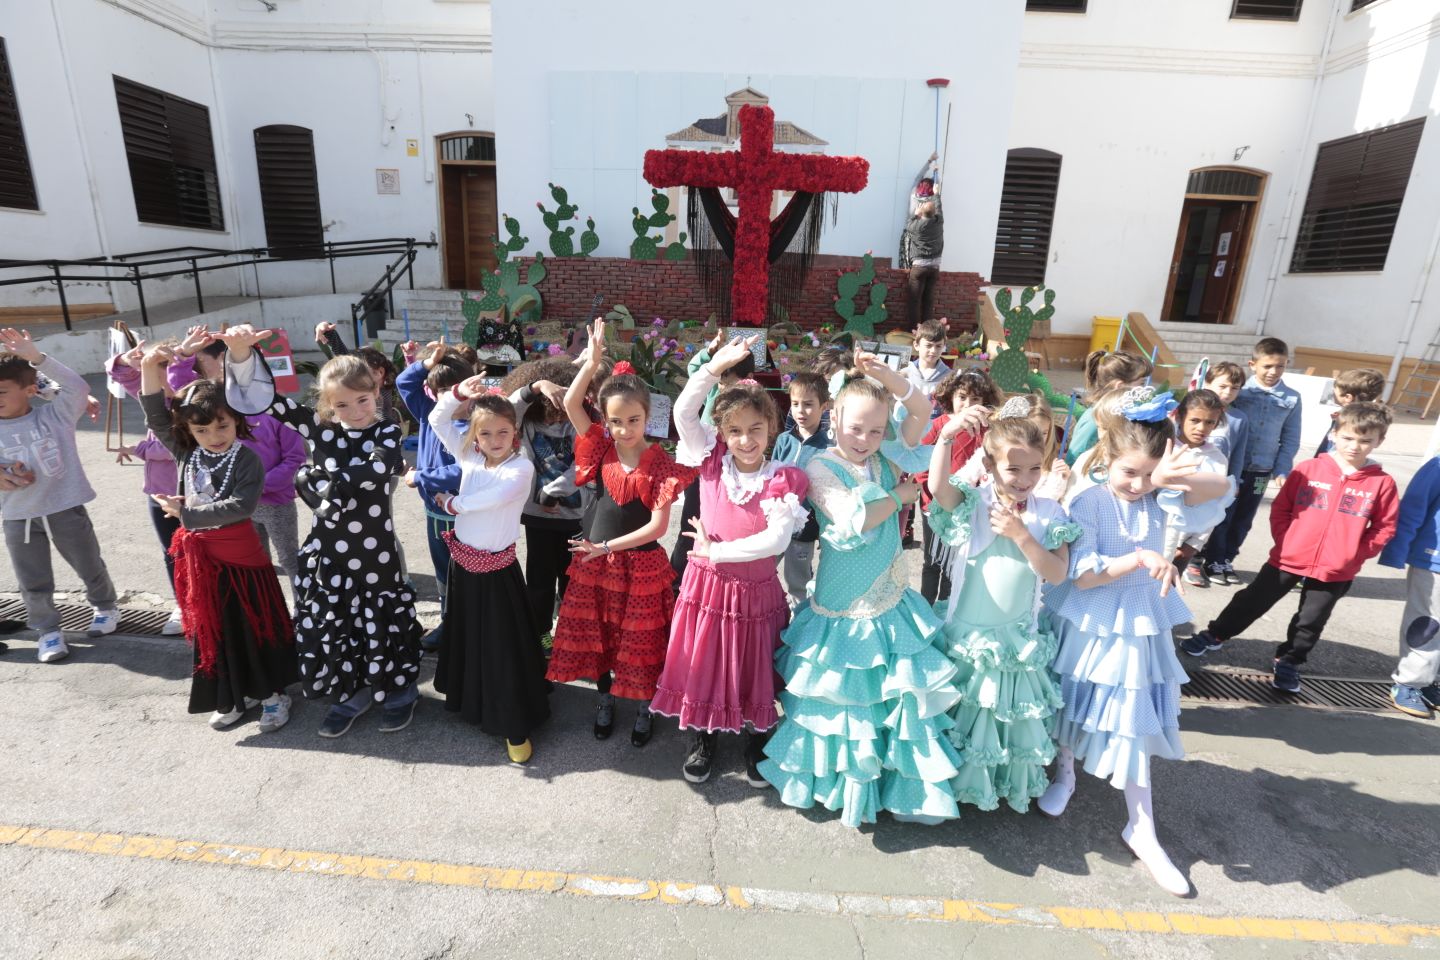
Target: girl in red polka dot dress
pixel 615 619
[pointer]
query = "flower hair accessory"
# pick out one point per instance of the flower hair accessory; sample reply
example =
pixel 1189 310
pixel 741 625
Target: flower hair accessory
pixel 747 382
pixel 496 391
pixel 838 379
pixel 622 368
pixel 1144 405
pixel 1016 408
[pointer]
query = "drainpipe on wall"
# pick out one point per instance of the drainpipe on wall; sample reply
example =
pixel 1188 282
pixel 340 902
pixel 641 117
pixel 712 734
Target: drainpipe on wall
pixel 1412 316
pixel 101 234
pixel 1336 11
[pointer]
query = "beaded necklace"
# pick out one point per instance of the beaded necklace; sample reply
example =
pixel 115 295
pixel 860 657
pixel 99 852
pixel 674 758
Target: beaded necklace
pixel 201 469
pixel 1125 523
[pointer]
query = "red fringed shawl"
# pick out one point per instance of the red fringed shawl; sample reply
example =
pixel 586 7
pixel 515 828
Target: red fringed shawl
pixel 202 558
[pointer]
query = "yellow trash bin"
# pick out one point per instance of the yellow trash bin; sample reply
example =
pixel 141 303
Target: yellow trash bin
pixel 1103 332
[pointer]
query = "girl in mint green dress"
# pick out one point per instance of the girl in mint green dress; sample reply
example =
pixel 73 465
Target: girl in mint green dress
pixel 867 686
pixel 1001 542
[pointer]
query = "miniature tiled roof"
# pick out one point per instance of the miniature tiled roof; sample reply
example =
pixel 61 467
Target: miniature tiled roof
pixel 712 130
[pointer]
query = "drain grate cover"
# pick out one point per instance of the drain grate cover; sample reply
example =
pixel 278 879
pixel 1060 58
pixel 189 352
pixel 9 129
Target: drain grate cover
pixel 76 618
pixel 1226 685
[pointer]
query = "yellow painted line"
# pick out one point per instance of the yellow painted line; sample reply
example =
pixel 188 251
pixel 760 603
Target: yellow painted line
pixel 918 908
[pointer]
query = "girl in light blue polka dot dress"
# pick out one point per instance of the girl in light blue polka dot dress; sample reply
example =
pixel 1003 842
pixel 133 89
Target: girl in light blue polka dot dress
pixel 1119 676
pixel 867 684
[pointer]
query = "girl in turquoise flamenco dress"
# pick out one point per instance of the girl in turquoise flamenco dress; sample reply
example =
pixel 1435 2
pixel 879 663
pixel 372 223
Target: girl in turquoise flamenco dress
pixel 867 686
pixel 1002 542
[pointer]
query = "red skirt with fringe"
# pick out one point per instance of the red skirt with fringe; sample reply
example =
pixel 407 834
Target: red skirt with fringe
pixel 615 618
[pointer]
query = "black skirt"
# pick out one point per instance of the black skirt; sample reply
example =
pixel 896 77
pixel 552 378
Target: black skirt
pixel 491 667
pixel 243 668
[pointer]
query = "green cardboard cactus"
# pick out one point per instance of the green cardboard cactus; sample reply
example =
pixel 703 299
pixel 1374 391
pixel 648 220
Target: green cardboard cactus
pixel 503 287
pixel 562 243
pixel 847 286
pixel 1011 367
pixel 646 247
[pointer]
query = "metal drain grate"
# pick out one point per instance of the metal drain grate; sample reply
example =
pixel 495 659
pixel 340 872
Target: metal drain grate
pixel 1217 685
pixel 76 618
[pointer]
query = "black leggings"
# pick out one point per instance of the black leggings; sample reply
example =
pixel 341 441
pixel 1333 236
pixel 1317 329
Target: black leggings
pixel 547 557
pixel 165 529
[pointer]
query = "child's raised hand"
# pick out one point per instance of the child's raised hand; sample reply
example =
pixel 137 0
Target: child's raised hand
pixel 132 357
pixel 195 338
pixel 321 329
pixel 239 340
pixel 551 391
pixel 157 356
pixel 434 350
pixel 1005 522
pixel 1177 464
pixel 595 348
pixel 908 491
pixel 473 387
pixel 19 343
pixel 716 342
pixel 971 420
pixel 701 545
pixel 727 356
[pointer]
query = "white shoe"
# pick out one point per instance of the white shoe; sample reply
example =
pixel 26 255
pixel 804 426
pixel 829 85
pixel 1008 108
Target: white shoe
pixel 103 622
pixel 219 721
pixel 52 647
pixel 1149 852
pixel 1056 798
pixel 174 626
pixel 274 713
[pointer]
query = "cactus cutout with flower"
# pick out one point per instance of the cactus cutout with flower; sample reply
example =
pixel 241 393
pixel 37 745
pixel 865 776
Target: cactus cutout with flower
pixel 646 247
pixel 503 287
pixel 848 285
pixel 1011 367
pixel 562 242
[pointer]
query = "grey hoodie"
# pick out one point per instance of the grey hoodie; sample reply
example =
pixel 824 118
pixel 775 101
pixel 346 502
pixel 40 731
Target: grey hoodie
pixel 44 440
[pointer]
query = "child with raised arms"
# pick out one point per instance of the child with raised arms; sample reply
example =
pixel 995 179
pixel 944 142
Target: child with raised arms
pixel 356 630
pixel 615 619
pixel 720 667
pixel 1120 678
pixel 491 667
pixel 1001 541
pixel 809 403
pixel 233 609
pixel 867 685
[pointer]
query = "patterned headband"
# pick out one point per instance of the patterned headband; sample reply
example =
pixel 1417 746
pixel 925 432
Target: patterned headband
pixel 1144 405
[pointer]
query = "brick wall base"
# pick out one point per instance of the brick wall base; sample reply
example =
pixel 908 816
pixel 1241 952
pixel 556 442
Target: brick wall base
pixel 659 288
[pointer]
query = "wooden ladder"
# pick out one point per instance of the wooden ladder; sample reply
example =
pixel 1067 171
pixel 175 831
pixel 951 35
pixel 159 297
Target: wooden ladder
pixel 1423 382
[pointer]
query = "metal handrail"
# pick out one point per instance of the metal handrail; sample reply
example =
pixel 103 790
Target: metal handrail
pixel 404 265
pixel 59 272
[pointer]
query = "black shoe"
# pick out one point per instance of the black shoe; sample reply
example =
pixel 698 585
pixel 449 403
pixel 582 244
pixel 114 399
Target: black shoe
pixel 754 753
pixel 4 646
pixel 701 759
pixel 395 719
pixel 605 717
pixel 9 627
pixel 644 727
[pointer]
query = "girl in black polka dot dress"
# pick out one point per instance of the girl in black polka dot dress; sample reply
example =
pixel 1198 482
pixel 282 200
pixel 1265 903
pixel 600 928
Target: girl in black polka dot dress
pixel 356 630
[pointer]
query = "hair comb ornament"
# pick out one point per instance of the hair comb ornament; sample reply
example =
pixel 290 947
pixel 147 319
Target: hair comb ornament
pixel 495 392
pixel 838 379
pixel 1016 408
pixel 747 382
pixel 622 368
pixel 1144 405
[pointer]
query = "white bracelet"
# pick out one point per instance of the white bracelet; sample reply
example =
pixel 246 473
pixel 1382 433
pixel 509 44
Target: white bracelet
pixel 908 393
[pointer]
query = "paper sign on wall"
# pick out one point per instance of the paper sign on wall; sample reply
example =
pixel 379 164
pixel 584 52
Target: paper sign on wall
pixel 387 181
pixel 1224 246
pixel 412 148
pixel 1220 268
pixel 659 423
pixel 281 361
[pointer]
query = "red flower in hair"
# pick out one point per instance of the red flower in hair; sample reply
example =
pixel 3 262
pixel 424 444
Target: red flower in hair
pixel 623 367
pixel 496 391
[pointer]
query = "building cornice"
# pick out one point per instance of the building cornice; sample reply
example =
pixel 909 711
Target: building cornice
pixel 1064 56
pixel 1376 47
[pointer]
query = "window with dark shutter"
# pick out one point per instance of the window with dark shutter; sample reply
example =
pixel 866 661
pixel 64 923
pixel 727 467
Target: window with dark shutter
pixel 1055 6
pixel 1027 213
pixel 1266 10
pixel 1357 4
pixel 17 183
pixel 1354 200
pixel 171 156
pixel 289 191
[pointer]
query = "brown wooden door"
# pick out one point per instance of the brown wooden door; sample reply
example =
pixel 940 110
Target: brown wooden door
pixel 482 222
pixel 1223 281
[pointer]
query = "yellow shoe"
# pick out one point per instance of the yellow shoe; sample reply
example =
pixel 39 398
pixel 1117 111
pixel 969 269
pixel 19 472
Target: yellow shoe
pixel 519 753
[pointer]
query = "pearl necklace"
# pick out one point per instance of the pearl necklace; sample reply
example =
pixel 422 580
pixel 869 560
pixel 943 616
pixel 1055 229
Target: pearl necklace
pixel 200 474
pixel 1125 523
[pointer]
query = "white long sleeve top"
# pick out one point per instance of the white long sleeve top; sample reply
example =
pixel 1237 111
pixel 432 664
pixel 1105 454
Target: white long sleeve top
pixel 487 509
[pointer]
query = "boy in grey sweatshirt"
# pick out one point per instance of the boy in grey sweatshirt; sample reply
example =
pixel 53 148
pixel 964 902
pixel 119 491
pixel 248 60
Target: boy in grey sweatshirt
pixel 43 491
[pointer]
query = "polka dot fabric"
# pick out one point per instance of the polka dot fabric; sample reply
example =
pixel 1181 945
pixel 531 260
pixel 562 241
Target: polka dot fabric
pixel 356 623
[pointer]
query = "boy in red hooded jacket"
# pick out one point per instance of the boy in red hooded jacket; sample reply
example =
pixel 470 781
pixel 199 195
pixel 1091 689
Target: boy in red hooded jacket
pixel 1334 513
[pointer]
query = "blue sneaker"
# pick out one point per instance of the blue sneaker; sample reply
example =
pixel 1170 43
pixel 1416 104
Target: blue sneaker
pixel 1431 696
pixel 1287 677
pixel 395 719
pixel 1200 643
pixel 1408 700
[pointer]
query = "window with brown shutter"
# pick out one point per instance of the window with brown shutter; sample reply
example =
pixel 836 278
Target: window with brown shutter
pixel 171 155
pixel 17 183
pixel 1354 200
pixel 1055 6
pixel 289 191
pixel 1266 10
pixel 1357 4
pixel 1027 213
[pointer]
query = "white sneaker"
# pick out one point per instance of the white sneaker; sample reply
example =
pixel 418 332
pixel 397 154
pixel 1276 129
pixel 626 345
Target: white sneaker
pixel 174 626
pixel 104 622
pixel 274 713
pixel 52 647
pixel 219 721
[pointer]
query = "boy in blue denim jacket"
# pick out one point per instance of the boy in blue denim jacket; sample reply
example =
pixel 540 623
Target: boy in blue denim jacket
pixel 1272 420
